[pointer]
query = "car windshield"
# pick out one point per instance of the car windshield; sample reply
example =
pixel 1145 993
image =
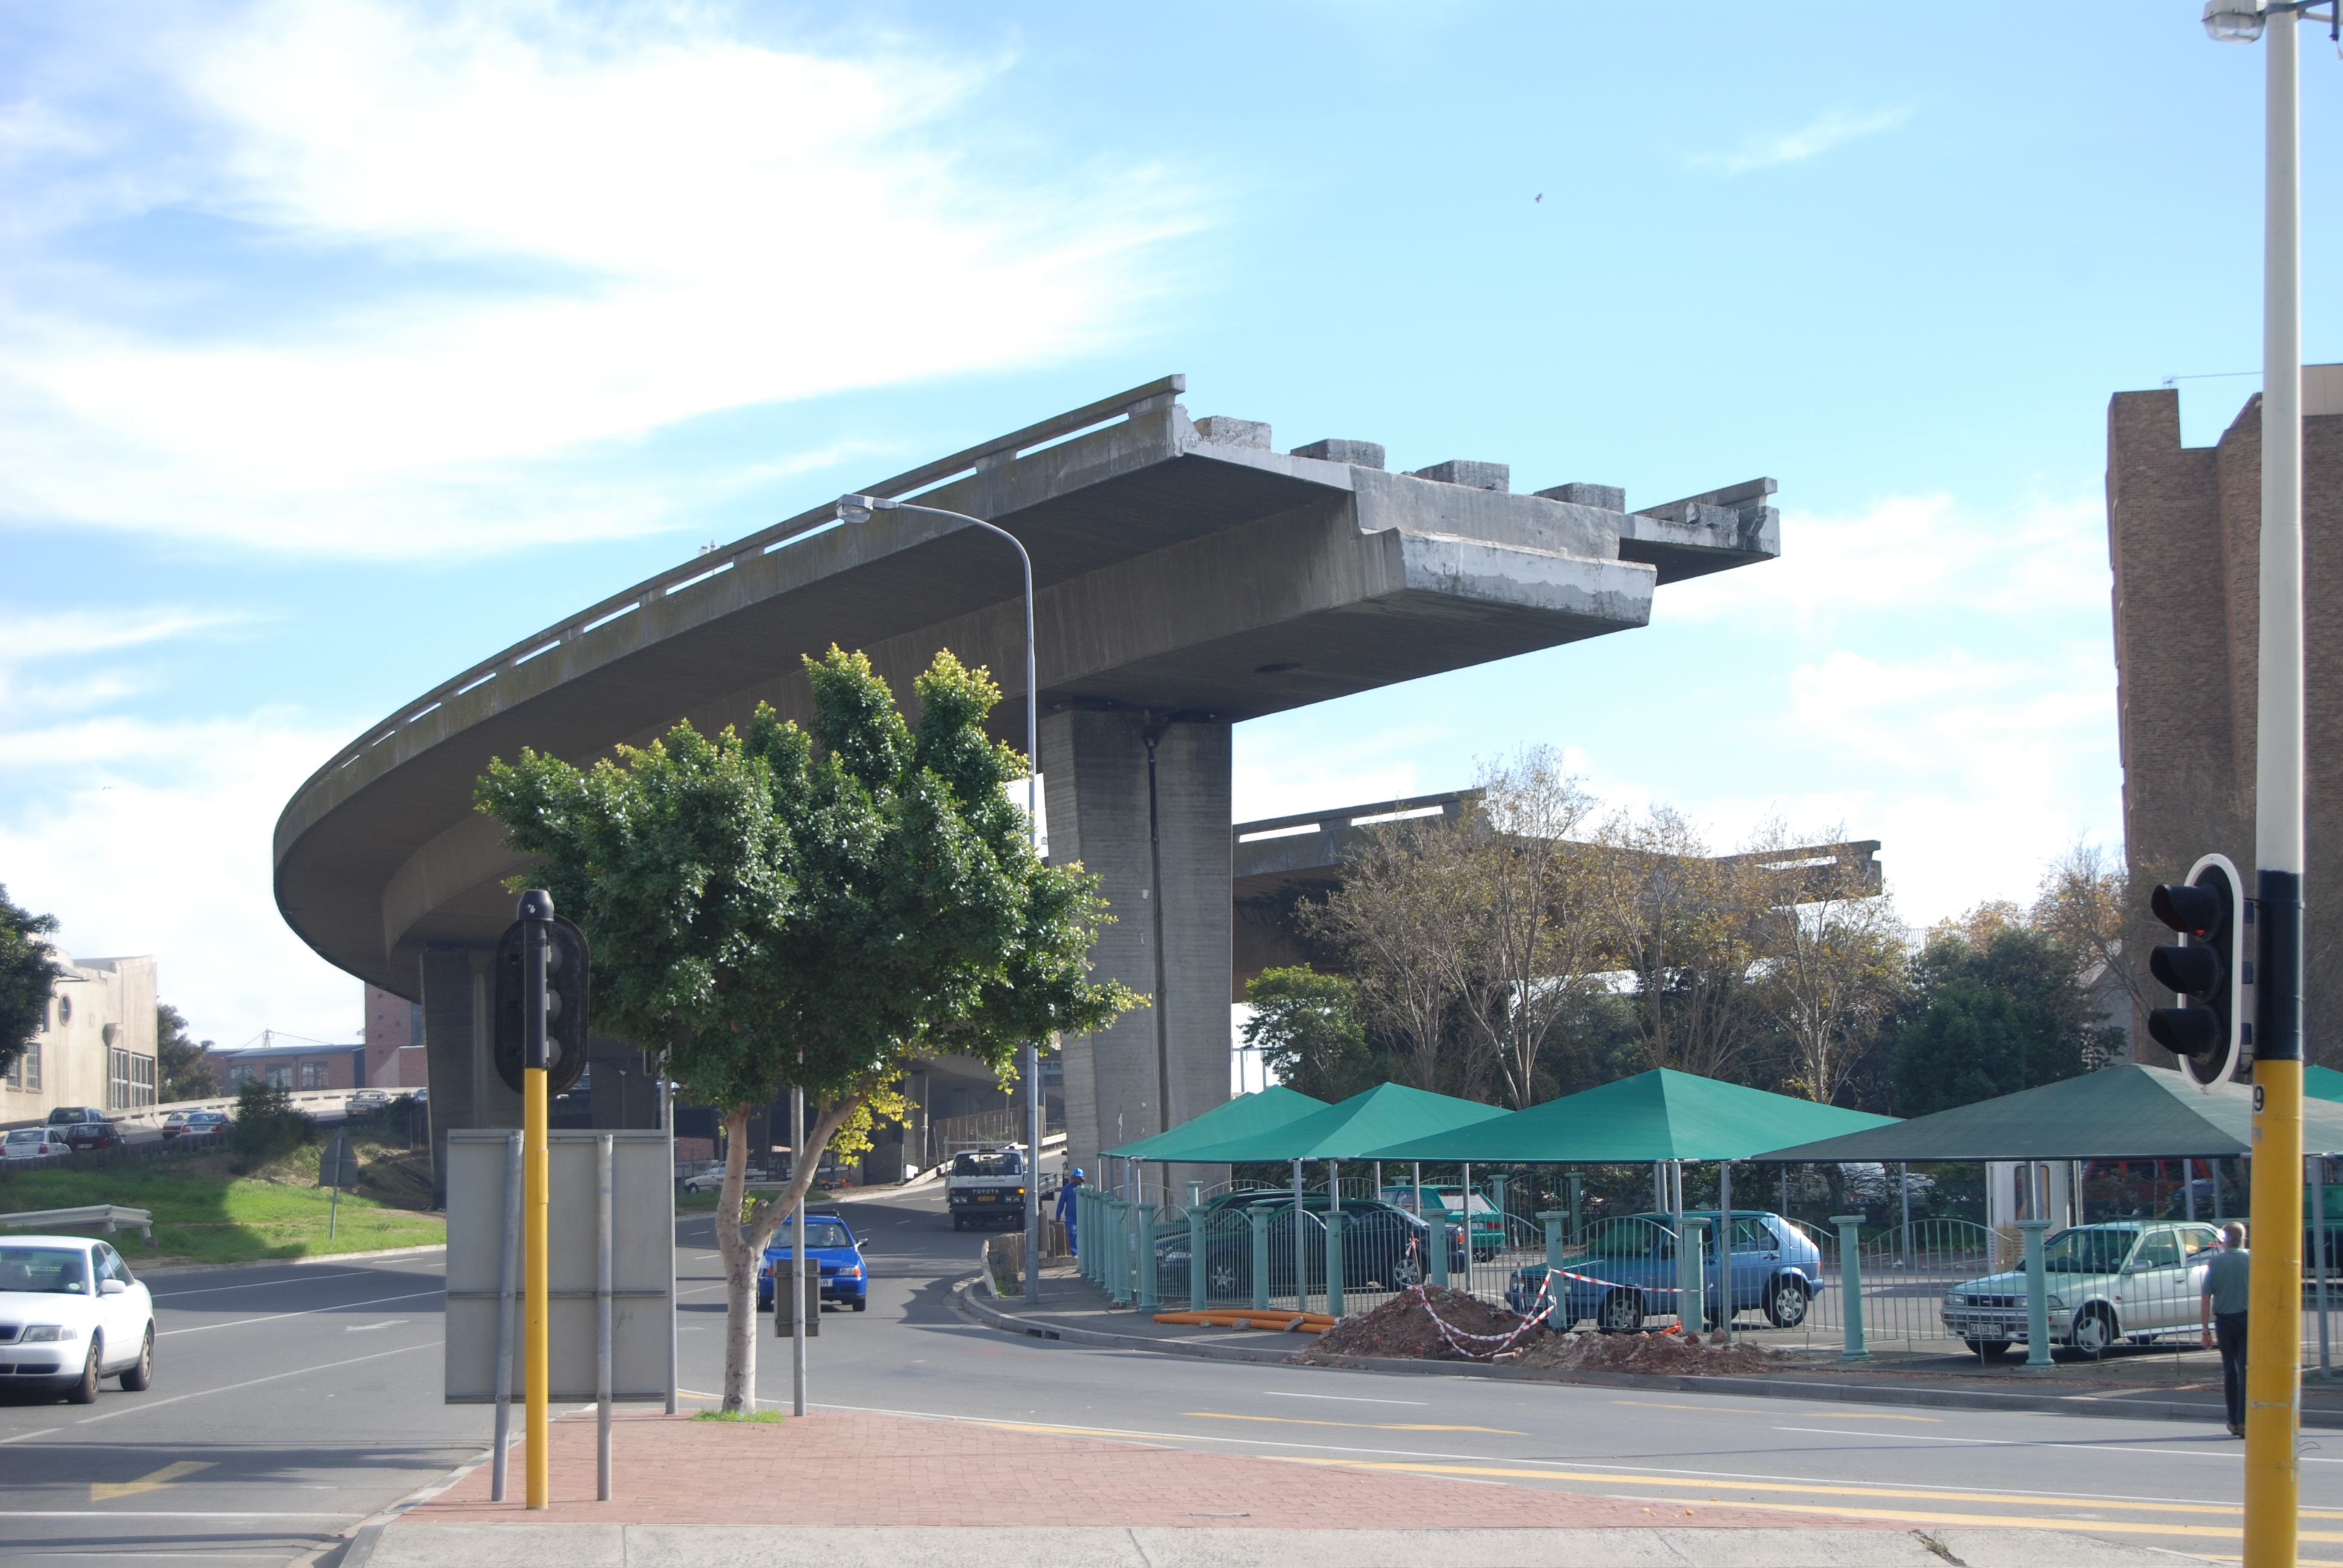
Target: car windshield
pixel 820 1233
pixel 2093 1250
pixel 58 1271
pixel 990 1162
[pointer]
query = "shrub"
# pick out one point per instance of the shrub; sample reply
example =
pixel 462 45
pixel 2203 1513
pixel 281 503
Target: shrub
pixel 267 1127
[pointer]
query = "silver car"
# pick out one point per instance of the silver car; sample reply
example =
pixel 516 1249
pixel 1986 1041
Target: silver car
pixel 2140 1280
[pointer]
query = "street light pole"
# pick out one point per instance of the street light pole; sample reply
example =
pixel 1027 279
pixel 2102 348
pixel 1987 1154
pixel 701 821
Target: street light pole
pixel 2273 1374
pixel 858 509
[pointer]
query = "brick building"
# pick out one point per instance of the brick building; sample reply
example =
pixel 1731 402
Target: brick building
pixel 2184 526
pixel 394 1041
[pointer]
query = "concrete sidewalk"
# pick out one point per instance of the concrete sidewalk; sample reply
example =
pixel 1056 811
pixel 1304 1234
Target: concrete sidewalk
pixel 897 1491
pixel 2151 1387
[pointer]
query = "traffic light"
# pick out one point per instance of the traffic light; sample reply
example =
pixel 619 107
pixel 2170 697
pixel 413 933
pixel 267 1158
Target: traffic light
pixel 2208 1022
pixel 564 1005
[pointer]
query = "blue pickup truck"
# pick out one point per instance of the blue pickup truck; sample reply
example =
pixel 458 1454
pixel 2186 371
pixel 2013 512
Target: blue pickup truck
pixel 830 1245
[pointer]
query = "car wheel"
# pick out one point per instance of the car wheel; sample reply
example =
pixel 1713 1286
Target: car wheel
pixel 85 1390
pixel 861 1302
pixel 1407 1274
pixel 2095 1332
pixel 1622 1313
pixel 1988 1349
pixel 1785 1303
pixel 960 1221
pixel 139 1376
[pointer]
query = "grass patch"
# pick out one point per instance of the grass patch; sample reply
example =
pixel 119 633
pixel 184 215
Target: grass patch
pixel 205 1212
pixel 696 1203
pixel 772 1417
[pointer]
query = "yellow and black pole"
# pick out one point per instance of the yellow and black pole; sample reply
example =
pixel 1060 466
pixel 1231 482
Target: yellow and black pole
pixel 537 924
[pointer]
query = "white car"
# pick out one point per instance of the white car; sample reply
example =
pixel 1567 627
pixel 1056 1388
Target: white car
pixel 34 1143
pixel 71 1314
pixel 2140 1280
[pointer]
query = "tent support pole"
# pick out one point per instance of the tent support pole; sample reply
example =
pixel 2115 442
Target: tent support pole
pixel 1724 1240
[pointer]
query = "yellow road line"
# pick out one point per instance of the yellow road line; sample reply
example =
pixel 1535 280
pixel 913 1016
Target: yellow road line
pixel 1817 1489
pixel 153 1481
pixel 1349 1425
pixel 1835 1414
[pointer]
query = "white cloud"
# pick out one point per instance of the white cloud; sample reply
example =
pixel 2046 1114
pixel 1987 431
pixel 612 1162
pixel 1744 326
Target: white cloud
pixel 1817 136
pixel 676 221
pixel 26 638
pixel 149 837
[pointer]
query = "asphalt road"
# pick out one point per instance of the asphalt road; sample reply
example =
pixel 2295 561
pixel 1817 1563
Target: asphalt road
pixel 291 1403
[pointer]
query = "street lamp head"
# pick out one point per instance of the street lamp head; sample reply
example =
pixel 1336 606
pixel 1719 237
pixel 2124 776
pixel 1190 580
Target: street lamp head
pixel 2233 21
pixel 857 508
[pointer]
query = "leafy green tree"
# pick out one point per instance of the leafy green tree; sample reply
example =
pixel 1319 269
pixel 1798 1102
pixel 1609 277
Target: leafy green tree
pixel 181 1072
pixel 784 910
pixel 267 1127
pixel 27 971
pixel 1306 1027
pixel 1994 1010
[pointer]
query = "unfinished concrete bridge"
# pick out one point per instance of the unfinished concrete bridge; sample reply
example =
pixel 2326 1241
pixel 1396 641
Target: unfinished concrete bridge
pixel 1188 576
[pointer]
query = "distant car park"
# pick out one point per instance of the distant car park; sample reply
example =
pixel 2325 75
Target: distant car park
pixel 84 1128
pixel 366 1102
pixel 183 1124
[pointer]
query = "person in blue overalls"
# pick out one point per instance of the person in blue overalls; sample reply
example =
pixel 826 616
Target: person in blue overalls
pixel 1065 1208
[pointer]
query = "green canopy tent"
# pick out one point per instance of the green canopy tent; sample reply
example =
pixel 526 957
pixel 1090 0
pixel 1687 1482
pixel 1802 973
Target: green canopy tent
pixel 1351 1130
pixel 2128 1111
pixel 2322 1083
pixel 1662 1117
pixel 1246 1116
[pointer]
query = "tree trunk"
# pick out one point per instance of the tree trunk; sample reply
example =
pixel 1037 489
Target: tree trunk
pixel 741 1256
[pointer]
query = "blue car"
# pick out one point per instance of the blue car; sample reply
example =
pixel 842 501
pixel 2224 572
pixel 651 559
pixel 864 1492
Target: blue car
pixel 832 1246
pixel 1624 1270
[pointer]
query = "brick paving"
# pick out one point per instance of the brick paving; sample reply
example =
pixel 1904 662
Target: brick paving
pixel 840 1468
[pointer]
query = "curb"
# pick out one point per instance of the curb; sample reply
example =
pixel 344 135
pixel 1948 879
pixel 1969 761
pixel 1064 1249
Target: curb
pixel 170 1270
pixel 2118 1405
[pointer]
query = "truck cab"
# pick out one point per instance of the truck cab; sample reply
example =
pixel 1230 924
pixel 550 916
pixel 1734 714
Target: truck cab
pixel 986 1187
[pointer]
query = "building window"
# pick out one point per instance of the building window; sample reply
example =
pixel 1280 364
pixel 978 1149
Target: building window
pixel 130 1080
pixel 280 1075
pixel 25 1073
pixel 239 1075
pixel 64 1010
pixel 313 1075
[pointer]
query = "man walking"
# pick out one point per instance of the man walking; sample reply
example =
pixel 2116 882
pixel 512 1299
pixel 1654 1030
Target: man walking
pixel 1065 1208
pixel 2227 1279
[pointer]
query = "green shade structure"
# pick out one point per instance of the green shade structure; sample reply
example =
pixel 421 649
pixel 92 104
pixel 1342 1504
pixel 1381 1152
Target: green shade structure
pixel 2124 1112
pixel 1350 1131
pixel 1656 1115
pixel 2322 1083
pixel 1246 1116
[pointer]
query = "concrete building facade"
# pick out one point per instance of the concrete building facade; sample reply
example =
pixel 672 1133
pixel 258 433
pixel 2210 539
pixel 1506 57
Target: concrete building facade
pixel 1188 576
pixel 2184 528
pixel 95 1046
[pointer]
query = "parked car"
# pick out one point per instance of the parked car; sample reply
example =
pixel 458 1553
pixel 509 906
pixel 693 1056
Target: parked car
pixel 34 1143
pixel 195 1123
pixel 1384 1248
pixel 84 1130
pixel 712 1179
pixel 70 1315
pixel 366 1102
pixel 1489 1237
pixel 1625 1270
pixel 2142 1281
pixel 831 1245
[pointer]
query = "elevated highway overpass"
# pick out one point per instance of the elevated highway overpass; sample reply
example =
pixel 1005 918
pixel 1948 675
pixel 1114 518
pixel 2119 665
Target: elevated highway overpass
pixel 1188 576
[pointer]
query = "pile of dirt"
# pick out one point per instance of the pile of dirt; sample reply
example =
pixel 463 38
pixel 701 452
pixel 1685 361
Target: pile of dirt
pixel 1672 1353
pixel 1402 1326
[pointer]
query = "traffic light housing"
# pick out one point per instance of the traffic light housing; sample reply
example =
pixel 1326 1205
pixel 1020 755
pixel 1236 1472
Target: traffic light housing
pixel 564 1005
pixel 2208 1025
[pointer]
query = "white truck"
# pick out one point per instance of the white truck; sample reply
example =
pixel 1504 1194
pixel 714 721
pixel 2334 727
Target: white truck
pixel 987 1186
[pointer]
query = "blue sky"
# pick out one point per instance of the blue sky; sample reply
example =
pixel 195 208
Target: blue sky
pixel 346 342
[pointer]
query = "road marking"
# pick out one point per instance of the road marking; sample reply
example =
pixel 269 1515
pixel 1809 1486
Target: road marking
pixel 171 1513
pixel 1837 1414
pixel 2211 1444
pixel 256 1284
pixel 153 1481
pixel 21 1436
pixel 1350 1425
pixel 147 1404
pixel 370 1328
pixel 304 1312
pixel 1344 1397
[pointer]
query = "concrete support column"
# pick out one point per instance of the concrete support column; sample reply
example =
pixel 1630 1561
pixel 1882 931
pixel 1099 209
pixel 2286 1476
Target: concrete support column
pixel 1161 846
pixel 466 1091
